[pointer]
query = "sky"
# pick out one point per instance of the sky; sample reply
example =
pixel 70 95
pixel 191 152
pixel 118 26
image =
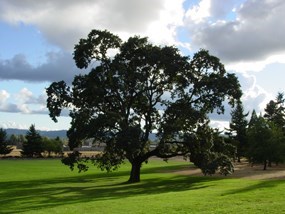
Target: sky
pixel 37 40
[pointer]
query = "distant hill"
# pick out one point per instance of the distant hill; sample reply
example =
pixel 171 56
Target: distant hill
pixel 54 134
pixel 50 134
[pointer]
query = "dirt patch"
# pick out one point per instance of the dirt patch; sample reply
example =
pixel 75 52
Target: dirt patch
pixel 243 170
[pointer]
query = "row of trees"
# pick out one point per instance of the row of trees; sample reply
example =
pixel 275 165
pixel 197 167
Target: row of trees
pixel 262 138
pixel 33 145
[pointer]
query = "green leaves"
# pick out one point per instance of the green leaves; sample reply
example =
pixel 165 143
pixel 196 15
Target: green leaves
pixel 95 47
pixel 58 97
pixel 142 89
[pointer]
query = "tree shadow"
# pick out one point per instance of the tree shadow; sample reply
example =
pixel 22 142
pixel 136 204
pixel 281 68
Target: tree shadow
pixel 23 196
pixel 263 184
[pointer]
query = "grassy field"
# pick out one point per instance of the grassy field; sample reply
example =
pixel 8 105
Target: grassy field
pixel 47 186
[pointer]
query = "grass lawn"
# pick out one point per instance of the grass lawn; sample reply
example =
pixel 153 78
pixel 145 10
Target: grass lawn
pixel 47 186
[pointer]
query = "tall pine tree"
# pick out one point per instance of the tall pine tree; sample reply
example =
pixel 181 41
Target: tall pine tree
pixel 238 126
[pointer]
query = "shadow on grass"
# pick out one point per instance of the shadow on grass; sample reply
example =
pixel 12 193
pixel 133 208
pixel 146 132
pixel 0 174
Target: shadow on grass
pixel 263 184
pixel 43 193
pixel 24 196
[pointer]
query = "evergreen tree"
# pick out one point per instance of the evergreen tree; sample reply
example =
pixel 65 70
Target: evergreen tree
pixel 32 147
pixel 275 111
pixel 266 142
pixel 253 118
pixel 238 126
pixel 4 148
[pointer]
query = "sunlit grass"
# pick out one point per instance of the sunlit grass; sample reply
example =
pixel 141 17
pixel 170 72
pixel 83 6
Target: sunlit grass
pixel 47 186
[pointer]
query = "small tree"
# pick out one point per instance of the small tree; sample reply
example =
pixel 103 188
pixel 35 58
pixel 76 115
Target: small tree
pixel 4 148
pixel 33 146
pixel 52 146
pixel 237 130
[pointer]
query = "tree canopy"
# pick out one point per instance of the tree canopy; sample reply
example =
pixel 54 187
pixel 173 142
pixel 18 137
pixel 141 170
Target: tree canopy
pixel 142 89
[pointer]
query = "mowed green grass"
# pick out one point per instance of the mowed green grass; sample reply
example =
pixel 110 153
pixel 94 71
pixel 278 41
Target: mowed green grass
pixel 47 186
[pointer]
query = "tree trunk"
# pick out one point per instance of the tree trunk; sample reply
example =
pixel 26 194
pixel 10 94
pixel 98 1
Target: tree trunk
pixel 264 165
pixel 238 159
pixel 135 172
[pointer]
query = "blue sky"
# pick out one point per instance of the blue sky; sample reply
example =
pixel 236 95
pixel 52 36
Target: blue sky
pixel 37 40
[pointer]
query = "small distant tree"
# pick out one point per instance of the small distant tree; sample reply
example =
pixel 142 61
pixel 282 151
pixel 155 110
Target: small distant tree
pixel 4 148
pixel 33 146
pixel 237 130
pixel 13 139
pixel 53 146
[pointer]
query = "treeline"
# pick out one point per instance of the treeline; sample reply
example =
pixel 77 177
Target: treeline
pixel 32 144
pixel 262 138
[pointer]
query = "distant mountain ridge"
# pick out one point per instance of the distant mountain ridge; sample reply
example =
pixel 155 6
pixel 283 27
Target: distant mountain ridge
pixel 50 134
pixel 54 134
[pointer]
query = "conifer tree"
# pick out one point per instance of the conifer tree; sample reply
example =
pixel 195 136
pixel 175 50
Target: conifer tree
pixel 238 126
pixel 32 147
pixel 4 148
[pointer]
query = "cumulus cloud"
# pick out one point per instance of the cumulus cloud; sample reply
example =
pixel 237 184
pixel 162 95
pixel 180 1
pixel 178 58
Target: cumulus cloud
pixel 254 98
pixel 4 95
pixel 254 34
pixel 23 102
pixel 12 124
pixel 5 106
pixel 58 66
pixel 64 23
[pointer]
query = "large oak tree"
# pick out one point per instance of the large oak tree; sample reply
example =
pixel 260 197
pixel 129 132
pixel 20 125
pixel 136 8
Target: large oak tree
pixel 141 89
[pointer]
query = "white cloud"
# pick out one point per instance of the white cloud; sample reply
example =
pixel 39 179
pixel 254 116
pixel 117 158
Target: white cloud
pixel 63 23
pixel 256 66
pixel 24 102
pixel 255 34
pixel 254 96
pixel 25 96
pixel 198 13
pixel 220 125
pixel 163 30
pixel 12 124
pixel 4 95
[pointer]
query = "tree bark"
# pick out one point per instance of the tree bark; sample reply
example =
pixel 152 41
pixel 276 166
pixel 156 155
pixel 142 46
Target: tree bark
pixel 264 165
pixel 135 172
